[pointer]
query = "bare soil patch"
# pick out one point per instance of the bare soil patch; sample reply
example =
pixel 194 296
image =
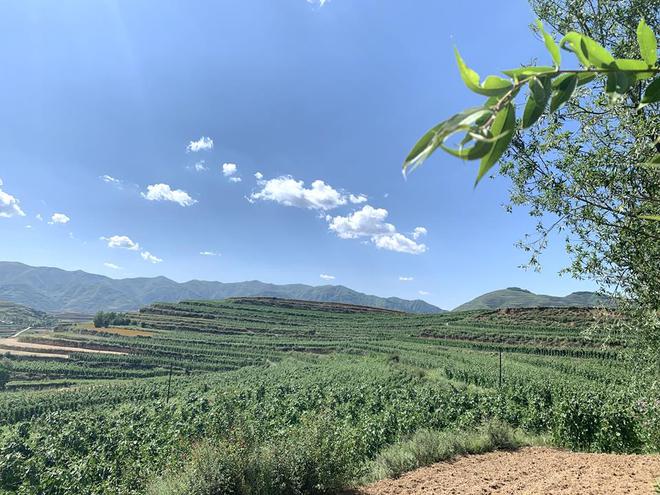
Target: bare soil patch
pixel 532 470
pixel 126 332
pixel 12 344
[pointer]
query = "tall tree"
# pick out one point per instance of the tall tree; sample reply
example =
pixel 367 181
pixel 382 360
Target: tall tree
pixel 588 167
pixel 581 171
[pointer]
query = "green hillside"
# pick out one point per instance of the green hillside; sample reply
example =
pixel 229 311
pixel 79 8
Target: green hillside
pixel 514 297
pixel 55 290
pixel 16 316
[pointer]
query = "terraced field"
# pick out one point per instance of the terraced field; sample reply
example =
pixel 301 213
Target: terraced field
pixel 312 382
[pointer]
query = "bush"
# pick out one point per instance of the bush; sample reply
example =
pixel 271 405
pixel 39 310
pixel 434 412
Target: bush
pixel 313 459
pixel 104 320
pixel 593 423
pixel 211 470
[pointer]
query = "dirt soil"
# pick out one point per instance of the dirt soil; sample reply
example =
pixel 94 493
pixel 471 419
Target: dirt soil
pixel 532 470
pixel 12 345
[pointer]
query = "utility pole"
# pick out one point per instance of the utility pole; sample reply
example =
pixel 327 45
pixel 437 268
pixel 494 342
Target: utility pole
pixel 169 380
pixel 500 368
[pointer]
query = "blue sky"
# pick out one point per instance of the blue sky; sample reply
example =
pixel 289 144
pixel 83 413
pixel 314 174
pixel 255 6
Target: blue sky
pixel 110 108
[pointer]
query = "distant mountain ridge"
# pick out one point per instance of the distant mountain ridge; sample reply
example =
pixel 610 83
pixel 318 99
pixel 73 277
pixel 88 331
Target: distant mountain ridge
pixel 515 297
pixel 57 290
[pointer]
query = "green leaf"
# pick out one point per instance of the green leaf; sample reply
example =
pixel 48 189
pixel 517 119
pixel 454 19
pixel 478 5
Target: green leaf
pixel 619 82
pixel 648 45
pixel 497 83
pixel 630 64
pixel 652 93
pixel 504 124
pixel 539 93
pixel 470 77
pixel 475 152
pixel 650 217
pixel 525 72
pixel 563 92
pixel 596 53
pixel 588 51
pixel 493 85
pixel 572 42
pixel 435 137
pixel 585 77
pixel 550 44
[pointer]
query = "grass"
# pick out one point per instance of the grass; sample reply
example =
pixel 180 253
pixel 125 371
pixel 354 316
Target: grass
pixel 427 447
pixel 312 463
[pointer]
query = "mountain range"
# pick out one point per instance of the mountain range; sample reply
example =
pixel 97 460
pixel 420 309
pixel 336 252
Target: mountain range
pixel 56 290
pixel 515 297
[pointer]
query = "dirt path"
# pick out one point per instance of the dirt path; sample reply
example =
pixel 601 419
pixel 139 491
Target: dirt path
pixel 533 470
pixel 20 332
pixel 12 344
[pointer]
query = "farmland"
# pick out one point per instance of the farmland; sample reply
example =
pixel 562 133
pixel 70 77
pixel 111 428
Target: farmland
pixel 309 393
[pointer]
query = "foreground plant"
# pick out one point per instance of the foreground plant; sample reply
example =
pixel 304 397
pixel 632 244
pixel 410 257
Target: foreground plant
pixel 488 130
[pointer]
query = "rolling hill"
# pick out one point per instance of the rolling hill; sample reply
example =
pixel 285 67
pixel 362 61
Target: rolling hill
pixel 514 297
pixel 15 316
pixel 56 290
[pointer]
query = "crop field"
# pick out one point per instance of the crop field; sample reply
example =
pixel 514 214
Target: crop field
pixel 291 384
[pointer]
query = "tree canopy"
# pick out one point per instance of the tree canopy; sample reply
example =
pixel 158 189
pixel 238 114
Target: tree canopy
pixel 583 152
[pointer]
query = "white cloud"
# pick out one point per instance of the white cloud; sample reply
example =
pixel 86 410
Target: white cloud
pixel 9 205
pixel 399 243
pixel 121 241
pixel 424 293
pixel 291 192
pixel 258 175
pixel 203 143
pixel 28 226
pixel 209 253
pixel 320 3
pixel 110 180
pixel 419 232
pixel 111 265
pixel 325 276
pixel 59 218
pixel 163 192
pixel 357 199
pixel 200 166
pixel 406 279
pixel 229 169
pixel 370 222
pixel 147 256
pixel 39 217
pixel 235 179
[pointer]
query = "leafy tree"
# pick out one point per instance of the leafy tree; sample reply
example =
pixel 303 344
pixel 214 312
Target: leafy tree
pixel 104 320
pixel 585 156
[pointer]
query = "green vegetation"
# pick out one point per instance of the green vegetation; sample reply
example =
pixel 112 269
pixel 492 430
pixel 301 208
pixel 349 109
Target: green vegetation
pixel 514 297
pixel 302 397
pixel 426 447
pixel 4 377
pixel 15 317
pixel 105 320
